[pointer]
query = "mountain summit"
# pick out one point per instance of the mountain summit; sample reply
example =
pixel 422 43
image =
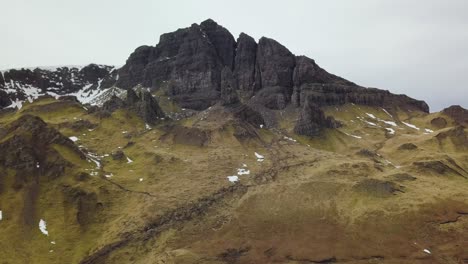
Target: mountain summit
pixel 195 65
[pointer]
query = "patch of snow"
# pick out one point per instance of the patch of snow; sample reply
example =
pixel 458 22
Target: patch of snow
pixel 371 115
pixel 233 178
pixel 43 227
pixel 391 131
pixel 354 136
pixel 141 179
pixel 1 215
pixel 109 175
pixel 243 172
pixel 94 158
pixel 428 130
pixel 56 96
pixel 388 122
pixel 427 251
pixel 16 104
pixel 244 165
pixel 387 112
pixel 260 158
pixel 129 160
pixel 370 123
pixel 74 139
pixel 290 139
pixel 410 125
pixel 261 126
pixel 38 165
pixel 147 126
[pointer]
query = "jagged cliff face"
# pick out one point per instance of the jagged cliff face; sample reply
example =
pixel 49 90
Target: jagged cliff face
pixel 194 64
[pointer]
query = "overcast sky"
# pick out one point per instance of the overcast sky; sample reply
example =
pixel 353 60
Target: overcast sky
pixel 419 48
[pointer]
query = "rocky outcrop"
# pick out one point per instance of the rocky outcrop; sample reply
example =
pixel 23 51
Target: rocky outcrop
pixel 147 108
pixel 457 113
pixel 141 102
pixel 312 120
pixel 338 94
pixel 27 147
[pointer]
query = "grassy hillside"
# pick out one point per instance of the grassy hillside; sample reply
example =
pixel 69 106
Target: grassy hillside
pixel 383 188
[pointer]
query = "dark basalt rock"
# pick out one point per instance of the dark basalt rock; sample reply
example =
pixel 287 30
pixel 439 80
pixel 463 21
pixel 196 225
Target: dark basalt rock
pixel 186 62
pixel 222 40
pixel 312 120
pixel 247 115
pixel 148 108
pixel 307 71
pixel 275 64
pixel 228 91
pixel 271 97
pixel 244 65
pixel 132 72
pixel 338 94
pixel 4 99
pixel 143 103
pixel 457 113
pixel 93 72
pixel 113 104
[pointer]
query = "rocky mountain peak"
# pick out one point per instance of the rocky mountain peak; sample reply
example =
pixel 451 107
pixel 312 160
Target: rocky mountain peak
pixel 189 66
